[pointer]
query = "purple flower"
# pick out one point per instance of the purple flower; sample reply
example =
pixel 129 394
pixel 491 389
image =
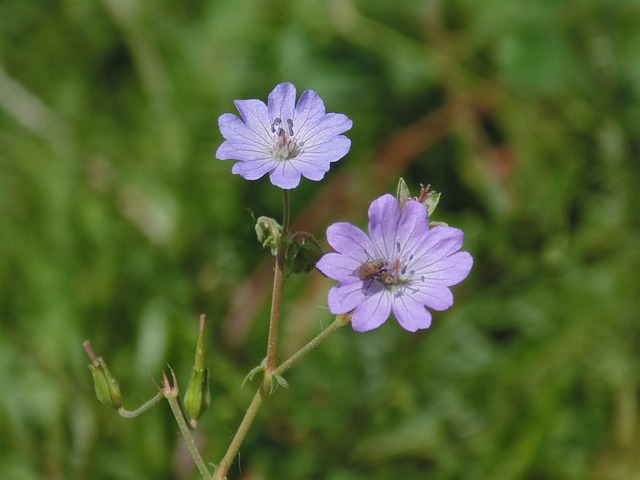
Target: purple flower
pixel 401 267
pixel 283 139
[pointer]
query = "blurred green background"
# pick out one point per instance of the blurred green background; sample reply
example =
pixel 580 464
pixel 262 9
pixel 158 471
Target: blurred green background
pixel 118 225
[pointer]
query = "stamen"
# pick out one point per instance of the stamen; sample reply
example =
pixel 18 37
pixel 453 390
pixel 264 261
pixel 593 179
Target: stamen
pixel 285 145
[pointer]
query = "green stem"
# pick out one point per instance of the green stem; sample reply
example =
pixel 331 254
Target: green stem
pixel 222 468
pixel 186 434
pixel 123 412
pixel 263 391
pixel 296 357
pixel 278 281
pixel 286 214
pixel 271 367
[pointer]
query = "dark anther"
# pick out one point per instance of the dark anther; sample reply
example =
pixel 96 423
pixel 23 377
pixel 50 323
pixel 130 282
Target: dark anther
pixel 276 123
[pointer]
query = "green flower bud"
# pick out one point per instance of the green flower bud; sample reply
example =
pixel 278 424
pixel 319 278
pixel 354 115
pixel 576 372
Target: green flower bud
pixel 106 386
pixel 302 253
pixel 268 232
pixel 198 397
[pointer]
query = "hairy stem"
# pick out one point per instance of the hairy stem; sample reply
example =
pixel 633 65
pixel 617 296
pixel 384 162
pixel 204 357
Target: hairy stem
pixel 186 434
pixel 278 281
pixel 123 412
pixel 222 468
pixel 263 391
pixel 340 321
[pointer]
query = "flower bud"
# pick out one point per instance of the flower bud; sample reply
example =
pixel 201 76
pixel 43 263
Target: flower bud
pixel 302 253
pixel 106 386
pixel 268 232
pixel 198 397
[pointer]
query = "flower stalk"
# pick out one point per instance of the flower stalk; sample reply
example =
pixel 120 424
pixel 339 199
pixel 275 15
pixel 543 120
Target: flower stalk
pixel 124 413
pixel 264 390
pixel 339 322
pixel 278 282
pixel 170 392
pixel 222 468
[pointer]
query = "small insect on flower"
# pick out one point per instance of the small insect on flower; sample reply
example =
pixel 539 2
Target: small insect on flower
pixel 390 274
pixel 371 269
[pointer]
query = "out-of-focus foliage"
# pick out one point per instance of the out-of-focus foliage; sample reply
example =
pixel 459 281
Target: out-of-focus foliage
pixel 119 226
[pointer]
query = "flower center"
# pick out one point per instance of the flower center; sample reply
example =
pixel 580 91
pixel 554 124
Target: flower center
pixel 285 145
pixel 391 274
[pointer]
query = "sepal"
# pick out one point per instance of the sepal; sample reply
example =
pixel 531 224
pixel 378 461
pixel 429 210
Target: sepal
pixel 402 193
pixel 254 371
pixel 429 198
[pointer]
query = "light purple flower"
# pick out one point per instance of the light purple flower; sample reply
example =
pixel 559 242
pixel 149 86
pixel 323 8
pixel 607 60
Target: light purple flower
pixel 401 267
pixel 283 139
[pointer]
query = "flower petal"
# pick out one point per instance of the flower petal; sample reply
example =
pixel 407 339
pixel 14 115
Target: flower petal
pixel 308 111
pixel 254 169
pixel 412 228
pixel 433 295
pixel 324 129
pixel 281 102
pixel 242 152
pixel 325 153
pixel 284 175
pixel 411 315
pixel 231 127
pixel 241 143
pixel 372 312
pixel 309 169
pixel 447 271
pixel 255 116
pixel 384 214
pixel 345 296
pixel 438 243
pixel 349 240
pixel 338 267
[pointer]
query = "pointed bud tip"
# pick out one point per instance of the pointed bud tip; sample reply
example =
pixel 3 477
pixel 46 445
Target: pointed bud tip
pixel 202 322
pixel 87 347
